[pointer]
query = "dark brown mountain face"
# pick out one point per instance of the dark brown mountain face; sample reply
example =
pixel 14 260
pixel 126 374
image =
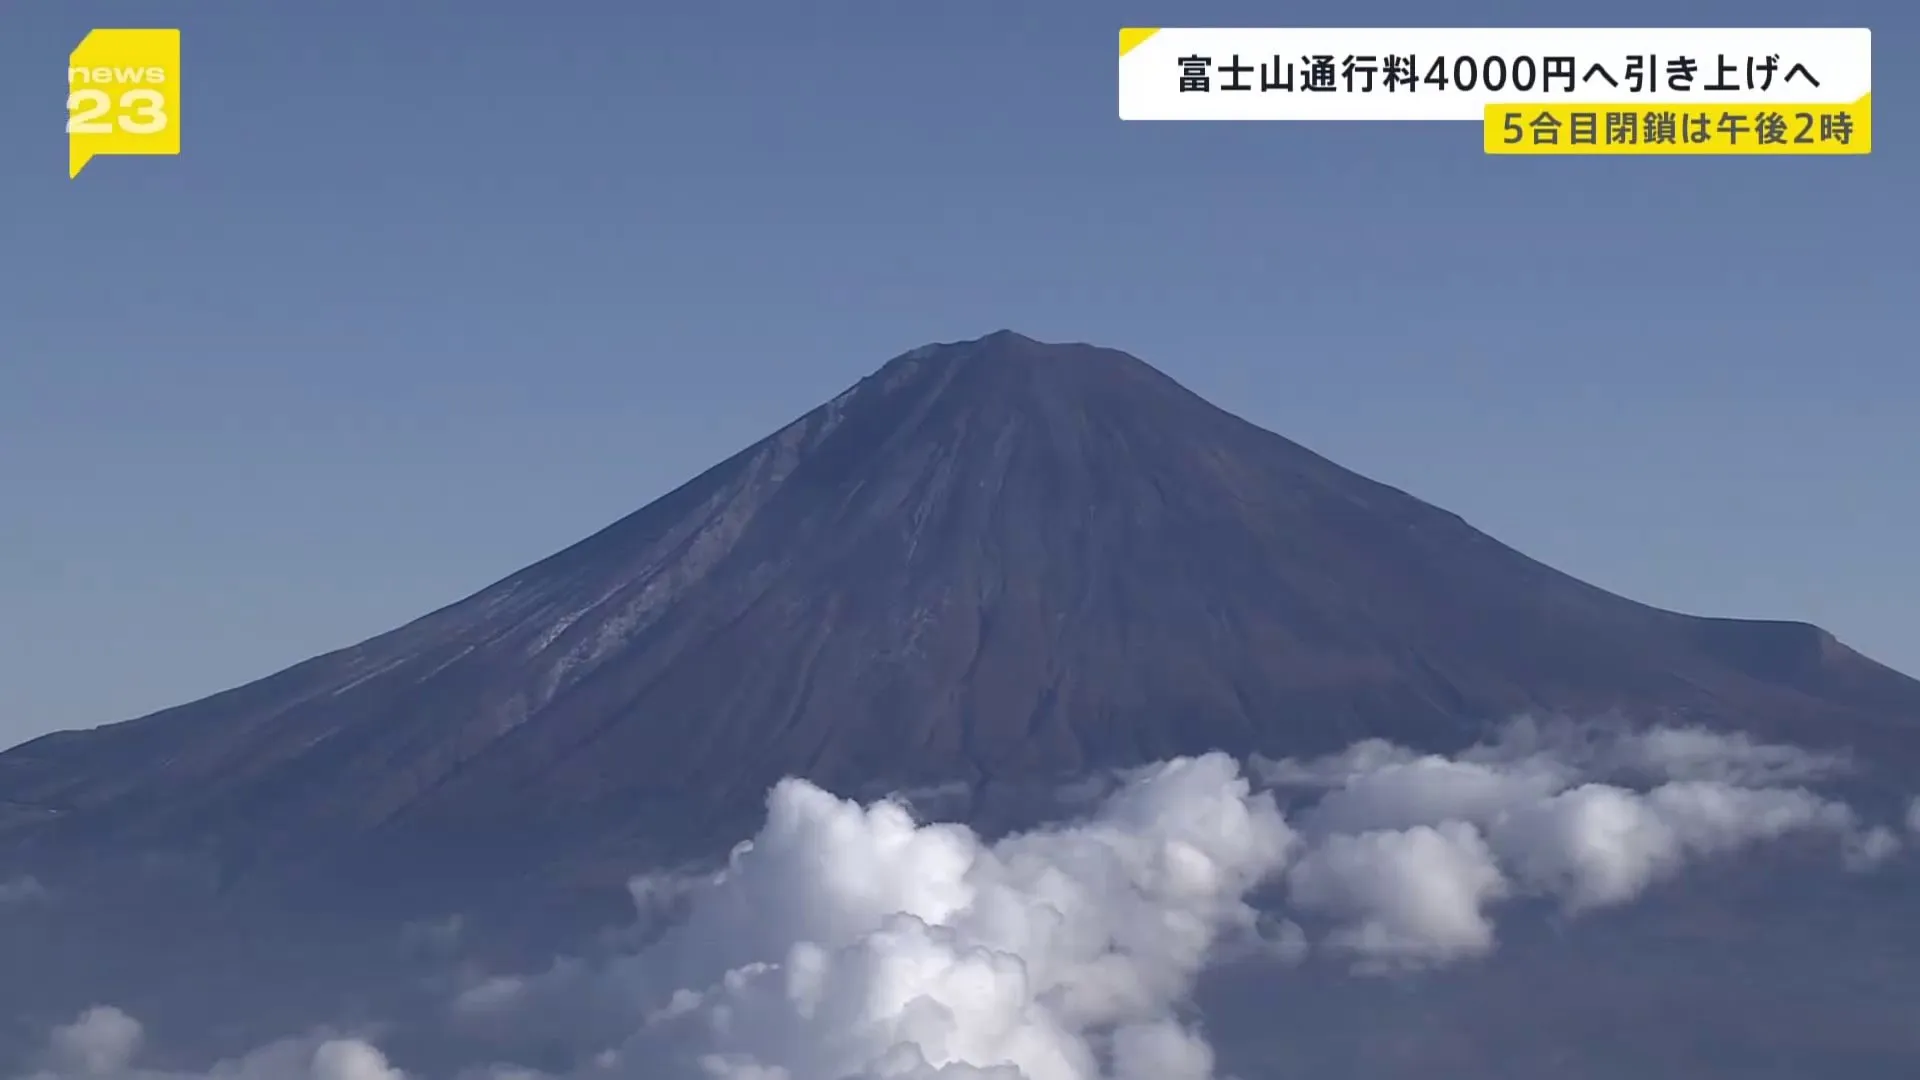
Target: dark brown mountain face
pixel 994 562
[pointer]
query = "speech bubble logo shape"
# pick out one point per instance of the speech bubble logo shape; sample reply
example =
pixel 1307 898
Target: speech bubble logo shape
pixel 123 95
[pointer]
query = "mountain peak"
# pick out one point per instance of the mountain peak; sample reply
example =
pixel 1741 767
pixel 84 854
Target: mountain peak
pixel 999 339
pixel 1014 348
pixel 1020 374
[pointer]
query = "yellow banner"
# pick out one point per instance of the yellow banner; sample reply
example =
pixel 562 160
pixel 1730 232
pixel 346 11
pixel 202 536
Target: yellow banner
pixel 1641 128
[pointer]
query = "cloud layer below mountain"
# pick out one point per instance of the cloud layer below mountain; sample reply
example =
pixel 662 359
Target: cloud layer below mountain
pixel 855 941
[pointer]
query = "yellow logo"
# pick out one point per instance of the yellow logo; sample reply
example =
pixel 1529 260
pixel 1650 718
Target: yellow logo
pixel 123 95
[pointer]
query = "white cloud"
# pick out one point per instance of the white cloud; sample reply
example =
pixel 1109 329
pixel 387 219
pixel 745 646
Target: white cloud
pixel 1413 896
pixel 102 1043
pixel 351 1059
pixel 99 1043
pixel 1726 757
pixel 1598 845
pixel 1399 794
pixel 1366 756
pixel 1414 848
pixel 855 942
pixel 1625 754
pixel 850 941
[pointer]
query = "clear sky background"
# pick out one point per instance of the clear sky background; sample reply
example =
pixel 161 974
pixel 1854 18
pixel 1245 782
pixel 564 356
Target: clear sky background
pixel 437 288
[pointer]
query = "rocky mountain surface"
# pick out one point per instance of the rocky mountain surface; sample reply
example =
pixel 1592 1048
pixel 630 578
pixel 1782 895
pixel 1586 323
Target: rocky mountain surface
pixel 989 563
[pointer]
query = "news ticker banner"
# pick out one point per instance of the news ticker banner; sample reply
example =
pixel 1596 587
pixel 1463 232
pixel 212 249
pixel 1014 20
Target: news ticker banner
pixel 1607 90
pixel 123 95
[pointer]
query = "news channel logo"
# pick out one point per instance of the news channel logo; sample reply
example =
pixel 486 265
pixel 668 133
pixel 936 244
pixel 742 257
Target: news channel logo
pixel 123 95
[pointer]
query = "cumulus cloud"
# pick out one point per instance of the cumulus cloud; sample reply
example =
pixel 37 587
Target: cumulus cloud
pixel 1407 852
pixel 850 941
pixel 1598 845
pixel 99 1043
pixel 1412 895
pixel 854 941
pixel 103 1042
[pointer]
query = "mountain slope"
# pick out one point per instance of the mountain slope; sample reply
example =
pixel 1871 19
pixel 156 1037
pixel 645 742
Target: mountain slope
pixel 989 561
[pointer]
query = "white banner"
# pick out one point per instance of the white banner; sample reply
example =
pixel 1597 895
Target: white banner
pixel 1453 73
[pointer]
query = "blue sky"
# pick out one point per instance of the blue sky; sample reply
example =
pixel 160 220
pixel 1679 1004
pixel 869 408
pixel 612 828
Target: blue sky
pixel 438 288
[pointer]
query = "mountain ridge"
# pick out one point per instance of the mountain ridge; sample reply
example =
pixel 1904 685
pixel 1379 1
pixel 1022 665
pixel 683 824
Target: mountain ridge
pixel 988 561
